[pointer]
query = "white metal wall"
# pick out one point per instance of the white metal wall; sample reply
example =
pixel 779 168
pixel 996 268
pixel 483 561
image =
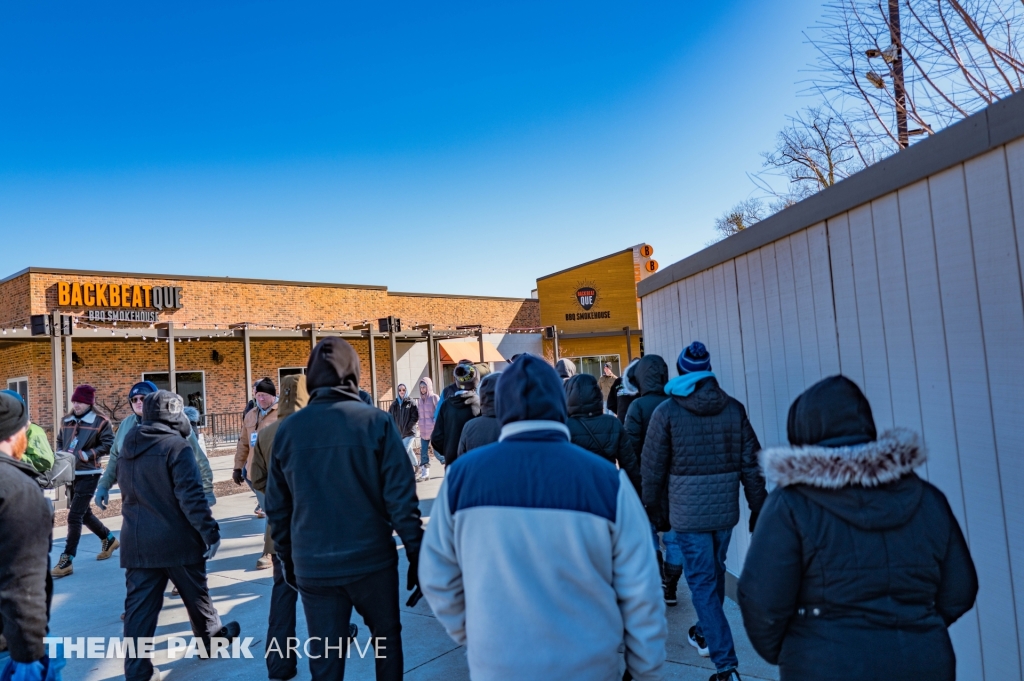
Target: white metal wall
pixel 916 296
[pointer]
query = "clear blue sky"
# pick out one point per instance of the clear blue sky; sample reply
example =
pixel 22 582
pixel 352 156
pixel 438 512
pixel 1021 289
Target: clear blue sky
pixel 451 147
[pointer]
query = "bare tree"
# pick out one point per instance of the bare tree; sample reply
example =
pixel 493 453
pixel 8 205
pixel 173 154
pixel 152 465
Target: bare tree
pixel 894 69
pixel 739 217
pixel 112 409
pixel 812 153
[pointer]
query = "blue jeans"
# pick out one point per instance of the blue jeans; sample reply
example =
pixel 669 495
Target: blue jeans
pixel 425 452
pixel 673 550
pixel 704 565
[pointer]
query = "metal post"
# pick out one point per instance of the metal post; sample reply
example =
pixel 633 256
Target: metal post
pixel 248 363
pixel 312 338
pixel 629 345
pixel 431 355
pixel 58 392
pixel 480 335
pixel 554 337
pixel 172 369
pixel 373 364
pixel 69 376
pixel 899 88
pixel 393 349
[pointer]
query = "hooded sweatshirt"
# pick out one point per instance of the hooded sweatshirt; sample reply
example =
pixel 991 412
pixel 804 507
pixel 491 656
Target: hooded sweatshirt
pixel 428 407
pixel 342 459
pixel 565 368
pixel 651 375
pixel 623 392
pixel 912 575
pixel 595 431
pixel 529 510
pixel 452 417
pixel 484 429
pixel 167 520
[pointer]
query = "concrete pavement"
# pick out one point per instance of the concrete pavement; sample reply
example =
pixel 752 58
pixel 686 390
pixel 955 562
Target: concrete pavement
pixel 90 602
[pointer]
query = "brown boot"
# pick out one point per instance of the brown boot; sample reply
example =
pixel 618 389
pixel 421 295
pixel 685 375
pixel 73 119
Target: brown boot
pixel 265 562
pixel 63 568
pixel 108 546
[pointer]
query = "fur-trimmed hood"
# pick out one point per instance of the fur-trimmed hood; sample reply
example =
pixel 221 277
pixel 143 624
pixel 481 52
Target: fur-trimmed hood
pixel 871 486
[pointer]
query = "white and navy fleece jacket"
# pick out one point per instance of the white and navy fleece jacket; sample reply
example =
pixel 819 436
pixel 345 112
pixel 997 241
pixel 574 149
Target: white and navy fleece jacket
pixel 538 558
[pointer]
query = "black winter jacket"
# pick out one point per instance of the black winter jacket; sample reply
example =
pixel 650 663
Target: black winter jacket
pixel 340 460
pixel 26 524
pixel 857 566
pixel 699 449
pixel 89 436
pixel 455 412
pixel 407 417
pixel 595 431
pixel 651 375
pixel 166 518
pixel 484 429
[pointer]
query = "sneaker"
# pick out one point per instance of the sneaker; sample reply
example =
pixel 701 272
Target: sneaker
pixel 229 631
pixel 730 675
pixel 264 562
pixel 63 568
pixel 157 675
pixel 669 586
pixel 259 512
pixel 174 592
pixel 424 474
pixel 698 642
pixel 108 546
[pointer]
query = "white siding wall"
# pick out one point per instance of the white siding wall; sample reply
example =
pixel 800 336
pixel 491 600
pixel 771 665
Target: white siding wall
pixel 917 296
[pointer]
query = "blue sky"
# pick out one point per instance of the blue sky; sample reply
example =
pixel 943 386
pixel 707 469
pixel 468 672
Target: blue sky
pixel 448 147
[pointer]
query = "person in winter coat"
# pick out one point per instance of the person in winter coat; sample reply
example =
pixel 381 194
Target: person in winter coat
pixel 543 508
pixel 168 530
pixel 453 387
pixel 339 458
pixel 455 412
pixel 26 517
pixel 606 381
pixel 484 429
pixel 136 396
pixel 651 374
pixel 255 420
pixel 565 369
pixel 427 406
pixel 407 419
pixel 858 566
pixel 595 431
pixel 623 392
pixel 700 448
pixel 283 598
pixel 88 436
pixel 38 453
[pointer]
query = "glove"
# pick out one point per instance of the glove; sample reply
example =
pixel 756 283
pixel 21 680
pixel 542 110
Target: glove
pixel 753 520
pixel 412 580
pixel 236 475
pixel 659 518
pixel 25 671
pixel 288 568
pixel 102 497
pixel 211 550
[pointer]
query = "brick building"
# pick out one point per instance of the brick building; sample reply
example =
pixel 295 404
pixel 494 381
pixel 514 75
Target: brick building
pixel 219 334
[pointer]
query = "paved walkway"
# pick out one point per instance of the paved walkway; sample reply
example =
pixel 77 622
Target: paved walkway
pixel 89 603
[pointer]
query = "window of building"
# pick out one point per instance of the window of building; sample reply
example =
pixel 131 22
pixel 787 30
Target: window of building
pixel 593 364
pixel 191 386
pixel 20 386
pixel 289 371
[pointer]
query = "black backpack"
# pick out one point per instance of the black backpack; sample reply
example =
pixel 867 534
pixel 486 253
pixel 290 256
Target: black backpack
pixel 61 473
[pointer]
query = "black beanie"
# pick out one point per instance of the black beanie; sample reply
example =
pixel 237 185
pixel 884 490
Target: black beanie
pixel 13 415
pixel 265 385
pixel 831 413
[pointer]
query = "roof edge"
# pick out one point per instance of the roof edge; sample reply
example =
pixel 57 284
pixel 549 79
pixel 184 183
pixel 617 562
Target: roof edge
pixel 188 277
pixel 589 262
pixel 460 295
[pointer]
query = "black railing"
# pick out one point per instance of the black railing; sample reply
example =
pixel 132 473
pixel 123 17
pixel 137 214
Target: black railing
pixel 221 429
pixel 384 405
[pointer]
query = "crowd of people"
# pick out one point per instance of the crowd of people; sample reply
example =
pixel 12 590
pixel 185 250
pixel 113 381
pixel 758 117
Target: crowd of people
pixel 570 509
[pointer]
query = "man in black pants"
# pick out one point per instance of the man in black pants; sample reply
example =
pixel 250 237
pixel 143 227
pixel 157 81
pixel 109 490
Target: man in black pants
pixel 89 437
pixel 168 529
pixel 340 483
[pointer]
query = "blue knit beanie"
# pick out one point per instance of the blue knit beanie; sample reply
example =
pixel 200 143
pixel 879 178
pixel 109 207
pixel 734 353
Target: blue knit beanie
pixel 694 357
pixel 142 388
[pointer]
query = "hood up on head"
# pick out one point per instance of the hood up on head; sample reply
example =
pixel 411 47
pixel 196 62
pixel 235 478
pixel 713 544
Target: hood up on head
pixel 530 390
pixel 488 386
pixel 430 387
pixel 294 395
pixel 334 364
pixel 627 386
pixel 166 408
pixel 869 485
pixel 583 396
pixel 651 375
pixel 565 369
pixel 831 413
